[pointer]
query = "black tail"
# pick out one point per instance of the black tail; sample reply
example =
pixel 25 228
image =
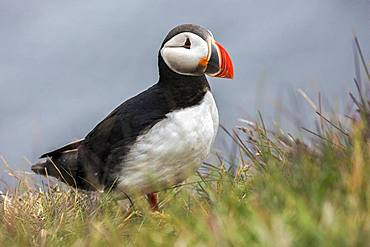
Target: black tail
pixel 61 163
pixel 64 164
pixel 63 167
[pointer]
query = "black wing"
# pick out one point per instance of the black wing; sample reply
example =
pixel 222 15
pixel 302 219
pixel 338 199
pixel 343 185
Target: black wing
pixel 110 140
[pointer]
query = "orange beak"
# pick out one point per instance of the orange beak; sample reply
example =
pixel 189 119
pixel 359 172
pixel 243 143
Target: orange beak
pixel 219 64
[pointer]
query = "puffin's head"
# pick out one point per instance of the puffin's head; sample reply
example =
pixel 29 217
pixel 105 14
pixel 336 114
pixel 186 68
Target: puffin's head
pixel 191 50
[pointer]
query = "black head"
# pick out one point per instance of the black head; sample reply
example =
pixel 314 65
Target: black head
pixel 191 50
pixel 202 32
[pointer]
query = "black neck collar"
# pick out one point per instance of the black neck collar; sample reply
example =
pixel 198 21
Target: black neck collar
pixel 183 90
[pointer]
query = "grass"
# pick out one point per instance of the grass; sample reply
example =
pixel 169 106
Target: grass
pixel 279 191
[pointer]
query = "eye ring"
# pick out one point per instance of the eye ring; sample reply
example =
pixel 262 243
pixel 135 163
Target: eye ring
pixel 187 44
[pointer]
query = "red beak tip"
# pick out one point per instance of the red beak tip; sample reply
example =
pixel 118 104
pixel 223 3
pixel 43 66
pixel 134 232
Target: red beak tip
pixel 226 67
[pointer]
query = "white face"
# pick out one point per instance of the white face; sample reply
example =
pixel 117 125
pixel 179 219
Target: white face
pixel 185 52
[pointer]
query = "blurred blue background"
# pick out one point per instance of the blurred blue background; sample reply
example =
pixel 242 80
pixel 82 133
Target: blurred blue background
pixel 64 65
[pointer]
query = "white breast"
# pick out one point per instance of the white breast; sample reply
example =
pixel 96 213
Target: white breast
pixel 171 150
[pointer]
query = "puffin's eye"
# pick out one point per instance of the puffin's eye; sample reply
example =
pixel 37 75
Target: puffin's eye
pixel 187 44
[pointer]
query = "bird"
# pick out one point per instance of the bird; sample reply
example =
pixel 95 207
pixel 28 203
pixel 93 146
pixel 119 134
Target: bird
pixel 158 138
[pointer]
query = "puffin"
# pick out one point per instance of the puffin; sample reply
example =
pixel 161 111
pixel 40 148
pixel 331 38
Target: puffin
pixel 158 138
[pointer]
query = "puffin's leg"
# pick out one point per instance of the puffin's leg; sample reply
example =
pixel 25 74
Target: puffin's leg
pixel 153 201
